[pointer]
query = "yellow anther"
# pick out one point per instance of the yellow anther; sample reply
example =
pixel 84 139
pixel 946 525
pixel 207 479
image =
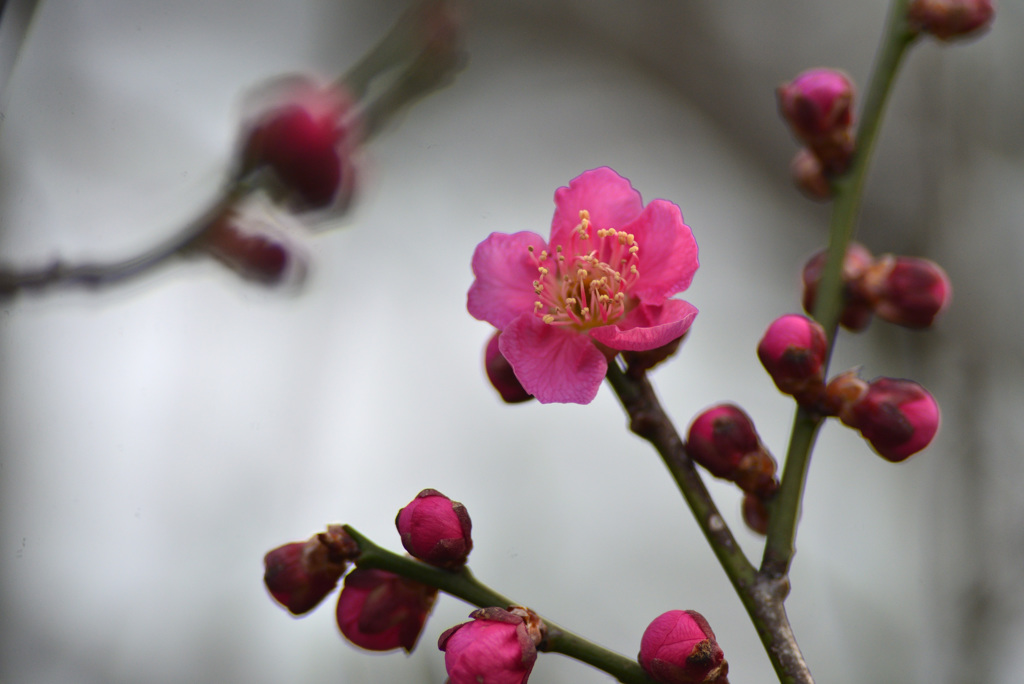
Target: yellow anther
pixel 634 249
pixel 549 319
pixel 543 271
pixel 570 301
pixel 537 306
pixel 585 312
pixel 581 273
pixel 632 269
pixel 530 249
pixel 584 215
pixel 543 254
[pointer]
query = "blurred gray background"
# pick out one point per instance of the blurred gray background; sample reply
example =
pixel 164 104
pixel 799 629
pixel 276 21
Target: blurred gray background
pixel 156 440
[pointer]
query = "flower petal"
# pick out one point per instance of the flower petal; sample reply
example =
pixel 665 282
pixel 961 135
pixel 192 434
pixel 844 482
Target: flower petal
pixel 648 326
pixel 553 363
pixel 610 199
pixel 668 252
pixel 504 272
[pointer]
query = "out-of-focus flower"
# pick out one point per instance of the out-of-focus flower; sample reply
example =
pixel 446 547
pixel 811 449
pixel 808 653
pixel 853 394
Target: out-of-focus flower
pixel 809 175
pixel 501 375
pixel 723 440
pixel 603 284
pixel 300 574
pixel 949 19
pixel 818 106
pixel 793 351
pixel 251 253
pixel 304 134
pixel 436 529
pixel 907 291
pixel 857 309
pixel 380 611
pixel 497 647
pixel 679 647
pixel 897 417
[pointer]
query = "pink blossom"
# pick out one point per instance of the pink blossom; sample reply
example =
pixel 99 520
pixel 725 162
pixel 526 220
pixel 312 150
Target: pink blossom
pixel 380 611
pixel 679 647
pixel 436 529
pixel 495 648
pixel 602 284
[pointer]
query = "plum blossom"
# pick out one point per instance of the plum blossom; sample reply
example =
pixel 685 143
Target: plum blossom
pixel 602 284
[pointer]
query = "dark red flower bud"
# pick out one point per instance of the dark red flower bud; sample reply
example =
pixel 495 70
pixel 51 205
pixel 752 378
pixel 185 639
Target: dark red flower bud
pixel 857 310
pixel 755 513
pixel 679 647
pixel 793 351
pixel 381 611
pixel 299 575
pixel 898 417
pixel 908 291
pixel 809 175
pixel 724 441
pixel 501 375
pixel 436 530
pixel 253 255
pixel 645 360
pixel 950 19
pixel 498 647
pixel 304 135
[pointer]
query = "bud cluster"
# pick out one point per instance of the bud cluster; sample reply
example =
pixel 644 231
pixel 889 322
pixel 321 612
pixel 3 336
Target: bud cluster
pixel 907 291
pixel 818 106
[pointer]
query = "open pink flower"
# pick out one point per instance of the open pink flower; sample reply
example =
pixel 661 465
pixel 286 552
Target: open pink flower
pixel 606 276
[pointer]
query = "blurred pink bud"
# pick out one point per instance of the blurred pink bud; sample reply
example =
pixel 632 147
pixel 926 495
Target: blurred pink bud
pixel 305 134
pixel 679 647
pixel 818 105
pixel 949 19
pixel 793 351
pixel 501 375
pixel 380 611
pixel 299 575
pixel 857 310
pixel 898 417
pixel 253 255
pixel 908 291
pixel 809 175
pixel 436 530
pixel 497 647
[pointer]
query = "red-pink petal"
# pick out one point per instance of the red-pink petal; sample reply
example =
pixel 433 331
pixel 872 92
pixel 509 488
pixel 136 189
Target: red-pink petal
pixel 610 199
pixel 648 326
pixel 553 363
pixel 668 252
pixel 504 272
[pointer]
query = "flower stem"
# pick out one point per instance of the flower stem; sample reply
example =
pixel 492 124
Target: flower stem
pixel 464 585
pixel 784 509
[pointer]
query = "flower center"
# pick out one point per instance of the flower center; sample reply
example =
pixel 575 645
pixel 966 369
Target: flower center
pixel 590 288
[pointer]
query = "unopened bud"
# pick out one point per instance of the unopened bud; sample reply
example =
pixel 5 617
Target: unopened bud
pixel 497 646
pixel 723 440
pixel 381 611
pixel 755 513
pixel 679 647
pixel 501 375
pixel 299 575
pixel 857 310
pixel 818 105
pixel 809 175
pixel 949 19
pixel 255 256
pixel 908 291
pixel 793 351
pixel 436 530
pixel 897 417
pixel 639 361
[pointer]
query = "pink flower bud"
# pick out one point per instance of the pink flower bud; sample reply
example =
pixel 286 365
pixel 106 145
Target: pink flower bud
pixel 254 256
pixel 908 291
pixel 818 105
pixel 299 575
pixel 380 611
pixel 305 135
pixel 857 310
pixel 949 19
pixel 724 441
pixel 809 175
pixel 436 530
pixel 793 351
pixel 679 647
pixel 898 417
pixel 497 647
pixel 501 375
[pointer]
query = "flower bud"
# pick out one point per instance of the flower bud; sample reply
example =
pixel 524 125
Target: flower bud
pixel 818 105
pixel 908 291
pixel 380 611
pixel 679 647
pixel 497 647
pixel 793 351
pixel 843 392
pixel 304 135
pixel 897 417
pixel 501 375
pixel 857 310
pixel 949 19
pixel 755 513
pixel 436 530
pixel 809 175
pixel 254 256
pixel 724 441
pixel 299 575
